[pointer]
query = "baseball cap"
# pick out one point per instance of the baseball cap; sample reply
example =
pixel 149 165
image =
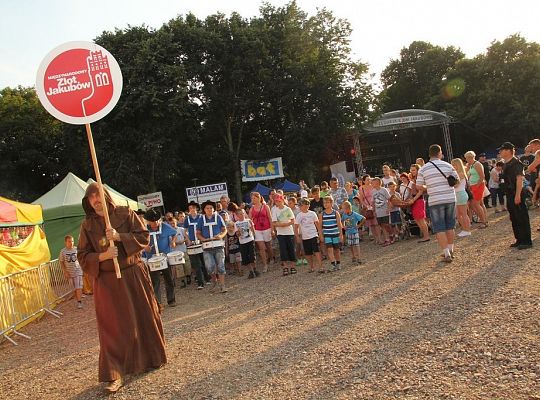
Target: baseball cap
pixel 506 146
pixel 482 155
pixel 278 197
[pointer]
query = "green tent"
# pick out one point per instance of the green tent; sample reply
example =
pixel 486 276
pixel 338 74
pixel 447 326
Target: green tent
pixel 63 212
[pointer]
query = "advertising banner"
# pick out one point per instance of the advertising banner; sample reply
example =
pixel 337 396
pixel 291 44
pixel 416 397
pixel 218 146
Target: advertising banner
pixel 261 170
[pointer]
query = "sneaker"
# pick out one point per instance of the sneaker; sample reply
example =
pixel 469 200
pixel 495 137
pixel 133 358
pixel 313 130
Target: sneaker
pixel 200 287
pixel 298 262
pixel 338 267
pixel 524 246
pixel 223 289
pixel 209 282
pixel 172 303
pixel 448 259
pixel 251 275
pixel 304 261
pixel 464 234
pixel 79 305
pixel 257 273
pixel 516 244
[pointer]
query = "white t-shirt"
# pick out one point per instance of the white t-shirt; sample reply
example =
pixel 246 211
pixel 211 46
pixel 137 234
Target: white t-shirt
pixel 438 189
pixel 380 199
pixel 303 193
pixel 69 256
pixel 284 214
pixel 244 227
pixel 179 238
pixel 386 181
pixel 306 222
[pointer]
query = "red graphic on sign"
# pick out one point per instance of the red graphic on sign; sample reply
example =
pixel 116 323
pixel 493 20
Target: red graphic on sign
pixel 78 82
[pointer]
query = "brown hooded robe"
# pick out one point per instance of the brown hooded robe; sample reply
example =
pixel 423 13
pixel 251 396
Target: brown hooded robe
pixel 129 326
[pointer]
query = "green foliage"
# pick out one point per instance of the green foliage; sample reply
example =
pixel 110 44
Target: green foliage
pixel 500 99
pixel 30 152
pixel 414 81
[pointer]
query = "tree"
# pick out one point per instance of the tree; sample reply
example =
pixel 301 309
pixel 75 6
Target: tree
pixel 499 93
pixel 30 145
pixel 414 80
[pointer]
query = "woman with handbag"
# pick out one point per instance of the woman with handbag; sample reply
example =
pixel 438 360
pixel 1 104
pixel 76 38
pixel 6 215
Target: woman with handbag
pixel 475 172
pixel 418 206
pixel 365 194
pixel 462 198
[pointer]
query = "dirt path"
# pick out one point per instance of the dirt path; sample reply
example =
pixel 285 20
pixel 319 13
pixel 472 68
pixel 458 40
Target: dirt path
pixel 401 325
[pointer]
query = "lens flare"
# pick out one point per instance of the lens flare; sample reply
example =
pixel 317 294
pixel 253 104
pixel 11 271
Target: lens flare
pixel 453 88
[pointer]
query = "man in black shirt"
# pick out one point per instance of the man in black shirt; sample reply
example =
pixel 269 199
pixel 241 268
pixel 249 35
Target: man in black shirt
pixel 513 175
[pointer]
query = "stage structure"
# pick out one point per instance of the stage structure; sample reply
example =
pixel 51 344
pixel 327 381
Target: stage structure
pixel 387 138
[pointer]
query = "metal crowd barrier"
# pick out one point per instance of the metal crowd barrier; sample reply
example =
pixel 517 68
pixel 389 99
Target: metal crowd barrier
pixel 27 293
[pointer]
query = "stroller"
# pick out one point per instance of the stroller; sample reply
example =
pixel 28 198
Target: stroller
pixel 409 228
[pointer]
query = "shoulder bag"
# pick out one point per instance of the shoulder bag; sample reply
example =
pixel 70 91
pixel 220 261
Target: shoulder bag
pixel 452 181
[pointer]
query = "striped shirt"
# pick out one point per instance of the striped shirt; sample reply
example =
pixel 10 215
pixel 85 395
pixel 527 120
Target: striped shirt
pixel 329 224
pixel 69 258
pixel 438 189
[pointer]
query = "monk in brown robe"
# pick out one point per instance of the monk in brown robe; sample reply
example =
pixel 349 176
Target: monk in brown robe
pixel 129 326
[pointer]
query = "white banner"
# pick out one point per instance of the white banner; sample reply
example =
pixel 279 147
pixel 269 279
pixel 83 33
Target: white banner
pixel 151 200
pixel 403 120
pixel 207 192
pixel 339 171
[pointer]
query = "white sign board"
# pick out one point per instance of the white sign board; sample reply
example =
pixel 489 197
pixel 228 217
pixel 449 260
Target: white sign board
pixel 403 120
pixel 340 172
pixel 208 192
pixel 151 200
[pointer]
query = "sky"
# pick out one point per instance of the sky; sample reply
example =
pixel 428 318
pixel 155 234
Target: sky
pixel 29 29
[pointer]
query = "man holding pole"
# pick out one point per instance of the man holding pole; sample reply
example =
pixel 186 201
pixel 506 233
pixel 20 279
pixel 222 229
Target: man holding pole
pixel 129 326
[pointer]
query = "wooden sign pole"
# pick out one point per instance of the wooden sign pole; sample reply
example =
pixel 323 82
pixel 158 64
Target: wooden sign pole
pixel 101 193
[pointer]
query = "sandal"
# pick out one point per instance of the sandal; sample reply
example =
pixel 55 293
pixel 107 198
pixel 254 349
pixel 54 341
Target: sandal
pixel 424 240
pixel 285 271
pixel 293 271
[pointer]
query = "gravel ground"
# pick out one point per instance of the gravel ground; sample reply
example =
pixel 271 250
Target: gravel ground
pixel 402 325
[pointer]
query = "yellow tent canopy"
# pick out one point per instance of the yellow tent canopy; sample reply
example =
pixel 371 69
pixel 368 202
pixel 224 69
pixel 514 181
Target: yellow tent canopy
pixel 34 249
pixel 13 213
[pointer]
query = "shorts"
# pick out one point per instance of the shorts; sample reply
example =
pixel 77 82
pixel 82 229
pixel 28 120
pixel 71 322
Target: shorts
pixel 478 191
pixel 214 260
pixel 462 198
pixel 77 281
pixel 331 241
pixel 395 217
pixel 235 257
pixel 443 217
pixel 247 250
pixel 263 236
pixel 286 247
pixel 418 209
pixel 384 220
pixel 352 238
pixel 311 246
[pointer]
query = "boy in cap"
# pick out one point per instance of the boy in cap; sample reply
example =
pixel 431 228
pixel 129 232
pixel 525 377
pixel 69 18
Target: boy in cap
pixel 166 240
pixel 211 228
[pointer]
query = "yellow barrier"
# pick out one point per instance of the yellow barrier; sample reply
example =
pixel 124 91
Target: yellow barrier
pixel 27 295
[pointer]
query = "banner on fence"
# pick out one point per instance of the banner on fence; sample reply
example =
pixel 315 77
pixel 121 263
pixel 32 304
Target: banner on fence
pixel 211 192
pixel 151 200
pixel 261 170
